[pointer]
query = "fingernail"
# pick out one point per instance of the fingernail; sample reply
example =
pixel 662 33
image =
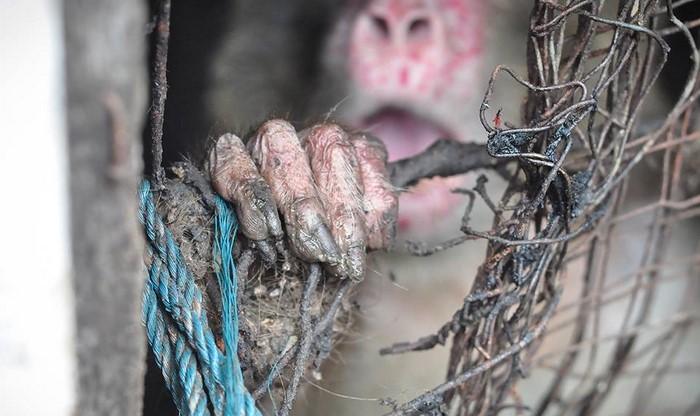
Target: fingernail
pixel 274 225
pixel 355 262
pixel 329 250
pixel 268 252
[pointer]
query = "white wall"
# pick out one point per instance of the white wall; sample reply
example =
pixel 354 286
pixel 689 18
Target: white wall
pixel 37 365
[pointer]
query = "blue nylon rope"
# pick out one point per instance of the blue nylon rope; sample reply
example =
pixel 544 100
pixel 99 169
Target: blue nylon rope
pixel 196 372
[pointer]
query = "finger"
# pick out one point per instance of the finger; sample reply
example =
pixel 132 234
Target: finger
pixel 236 179
pixel 284 166
pixel 380 197
pixel 337 177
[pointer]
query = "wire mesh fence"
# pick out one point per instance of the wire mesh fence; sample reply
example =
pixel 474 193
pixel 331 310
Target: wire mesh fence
pixel 575 254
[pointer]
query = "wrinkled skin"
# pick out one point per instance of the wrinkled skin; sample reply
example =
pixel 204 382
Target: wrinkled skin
pixel 330 187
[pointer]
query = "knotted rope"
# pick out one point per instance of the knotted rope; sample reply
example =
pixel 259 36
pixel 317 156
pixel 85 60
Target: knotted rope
pixel 201 378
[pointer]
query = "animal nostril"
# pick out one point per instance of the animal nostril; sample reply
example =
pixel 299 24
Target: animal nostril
pixel 381 26
pixel 419 28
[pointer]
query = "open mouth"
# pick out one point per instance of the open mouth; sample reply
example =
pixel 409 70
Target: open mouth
pixel 404 133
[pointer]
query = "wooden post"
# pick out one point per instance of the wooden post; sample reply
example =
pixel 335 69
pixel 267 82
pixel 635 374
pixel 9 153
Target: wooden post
pixel 106 95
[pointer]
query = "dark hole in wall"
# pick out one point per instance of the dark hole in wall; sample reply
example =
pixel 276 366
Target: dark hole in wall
pixel 196 28
pixel 156 399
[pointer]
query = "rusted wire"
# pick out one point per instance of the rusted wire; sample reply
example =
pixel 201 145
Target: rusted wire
pixel 574 155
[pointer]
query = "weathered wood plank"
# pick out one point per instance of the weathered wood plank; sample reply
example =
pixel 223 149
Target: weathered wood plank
pixel 106 91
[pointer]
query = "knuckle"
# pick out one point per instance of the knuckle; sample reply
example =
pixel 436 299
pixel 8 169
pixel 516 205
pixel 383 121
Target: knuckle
pixel 328 130
pixel 369 147
pixel 321 138
pixel 275 125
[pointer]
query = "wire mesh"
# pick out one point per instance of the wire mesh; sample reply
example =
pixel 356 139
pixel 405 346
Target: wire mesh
pixel 584 280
